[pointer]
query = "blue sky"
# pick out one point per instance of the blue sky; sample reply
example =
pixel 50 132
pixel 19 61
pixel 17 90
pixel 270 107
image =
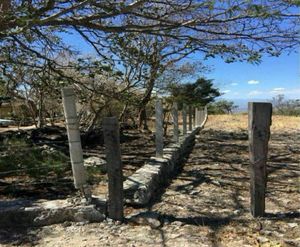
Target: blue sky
pixel 273 76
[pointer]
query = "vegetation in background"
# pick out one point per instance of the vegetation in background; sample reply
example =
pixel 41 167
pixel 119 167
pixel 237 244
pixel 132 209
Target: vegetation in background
pixel 199 93
pixel 22 157
pixel 282 106
pixel 221 107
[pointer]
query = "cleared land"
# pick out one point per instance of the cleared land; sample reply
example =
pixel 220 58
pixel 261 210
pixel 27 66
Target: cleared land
pixel 207 203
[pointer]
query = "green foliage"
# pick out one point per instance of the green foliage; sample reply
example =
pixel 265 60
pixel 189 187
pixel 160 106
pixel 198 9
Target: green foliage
pixel 281 106
pixel 221 107
pixel 199 93
pixel 25 159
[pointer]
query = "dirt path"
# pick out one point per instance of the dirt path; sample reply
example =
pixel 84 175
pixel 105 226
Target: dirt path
pixel 207 204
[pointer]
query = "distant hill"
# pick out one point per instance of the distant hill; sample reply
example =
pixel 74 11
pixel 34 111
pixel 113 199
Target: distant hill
pixel 243 103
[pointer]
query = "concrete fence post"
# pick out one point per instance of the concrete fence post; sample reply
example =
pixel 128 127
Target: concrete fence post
pixel 184 120
pixel 200 115
pixel 190 118
pixel 194 117
pixel 159 130
pixel 72 124
pixel 259 118
pixel 111 132
pixel 197 117
pixel 175 122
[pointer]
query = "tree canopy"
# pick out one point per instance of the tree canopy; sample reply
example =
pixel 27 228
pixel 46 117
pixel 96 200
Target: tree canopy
pixel 199 93
pixel 137 43
pixel 222 107
pixel 235 30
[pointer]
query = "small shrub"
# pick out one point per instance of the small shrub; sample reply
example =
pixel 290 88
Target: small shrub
pixel 22 158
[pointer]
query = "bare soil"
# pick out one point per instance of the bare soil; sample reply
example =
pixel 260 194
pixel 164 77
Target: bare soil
pixel 207 203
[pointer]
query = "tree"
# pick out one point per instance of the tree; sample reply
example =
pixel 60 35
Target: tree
pixel 199 93
pixel 285 107
pixel 31 32
pixel 232 29
pixel 222 107
pixel 147 61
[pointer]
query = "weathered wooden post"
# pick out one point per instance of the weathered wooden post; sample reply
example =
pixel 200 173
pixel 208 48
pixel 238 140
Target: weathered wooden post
pixel 175 122
pixel 190 118
pixel 184 120
pixel 260 115
pixel 159 130
pixel 111 133
pixel 72 124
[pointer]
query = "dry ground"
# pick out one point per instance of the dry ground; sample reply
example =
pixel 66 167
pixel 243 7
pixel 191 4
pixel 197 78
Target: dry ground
pixel 207 204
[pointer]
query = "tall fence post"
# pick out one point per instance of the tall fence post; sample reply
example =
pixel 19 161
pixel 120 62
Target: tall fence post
pixel 72 124
pixel 184 120
pixel 197 117
pixel 201 116
pixel 159 131
pixel 190 118
pixel 175 122
pixel 259 118
pixel 111 133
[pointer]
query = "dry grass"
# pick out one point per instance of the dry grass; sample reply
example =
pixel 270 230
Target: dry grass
pixel 238 122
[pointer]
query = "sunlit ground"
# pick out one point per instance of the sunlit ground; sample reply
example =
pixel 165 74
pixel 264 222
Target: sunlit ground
pixel 237 122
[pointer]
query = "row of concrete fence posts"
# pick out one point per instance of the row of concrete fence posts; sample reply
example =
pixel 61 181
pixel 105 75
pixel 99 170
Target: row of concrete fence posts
pixel 260 115
pixel 111 132
pixel 72 124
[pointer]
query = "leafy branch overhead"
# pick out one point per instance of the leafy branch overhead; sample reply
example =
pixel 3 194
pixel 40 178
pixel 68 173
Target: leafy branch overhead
pixel 237 30
pixel 138 46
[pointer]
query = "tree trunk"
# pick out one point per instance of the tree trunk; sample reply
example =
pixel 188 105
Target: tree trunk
pixel 142 114
pixel 122 115
pixel 143 119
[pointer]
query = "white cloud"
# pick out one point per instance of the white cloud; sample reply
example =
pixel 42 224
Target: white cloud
pixel 226 91
pixel 277 90
pixel 253 82
pixel 234 84
pixel 254 93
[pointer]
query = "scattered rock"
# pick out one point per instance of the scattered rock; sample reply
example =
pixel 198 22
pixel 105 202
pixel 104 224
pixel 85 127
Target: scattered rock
pixel 177 223
pixel 262 239
pixel 94 161
pixel 146 218
pixel 292 225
